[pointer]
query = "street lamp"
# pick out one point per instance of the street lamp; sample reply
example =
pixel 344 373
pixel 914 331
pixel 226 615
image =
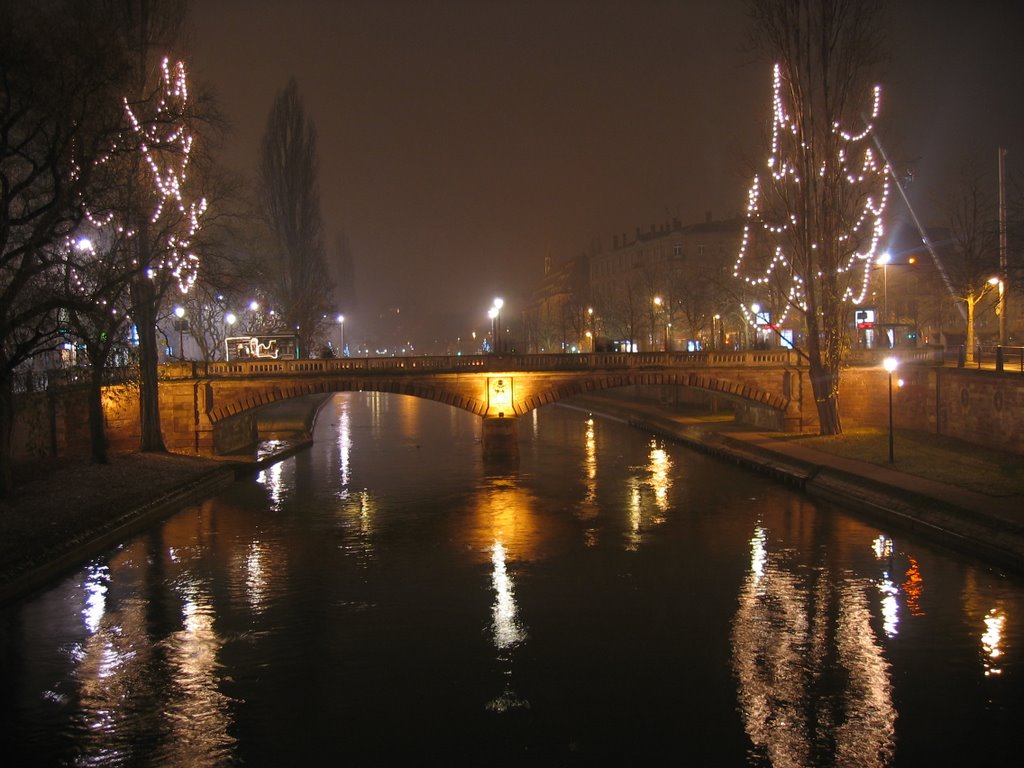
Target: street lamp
pixel 341 322
pixel 493 313
pixel 498 304
pixel 180 325
pixel 890 364
pixel 658 302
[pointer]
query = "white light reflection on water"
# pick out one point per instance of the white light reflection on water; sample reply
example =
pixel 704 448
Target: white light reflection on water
pixel 505 625
pixel 342 411
pixel 198 714
pixel 814 685
pixel 255 577
pixel 505 628
pixel 883 549
pixel 96 582
pixel 271 478
pixel 991 641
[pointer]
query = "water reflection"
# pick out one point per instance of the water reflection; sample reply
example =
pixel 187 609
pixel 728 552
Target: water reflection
pixel 197 712
pixel 97 580
pixel 588 508
pixel 355 595
pixel 343 417
pixel 650 481
pixel 883 548
pixel 272 478
pixel 144 692
pixel 814 686
pixel 992 641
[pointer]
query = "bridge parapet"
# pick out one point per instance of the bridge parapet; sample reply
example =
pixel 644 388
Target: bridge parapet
pixel 602 361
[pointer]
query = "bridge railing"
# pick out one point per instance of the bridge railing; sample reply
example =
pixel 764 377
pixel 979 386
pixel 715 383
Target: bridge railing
pixel 369 366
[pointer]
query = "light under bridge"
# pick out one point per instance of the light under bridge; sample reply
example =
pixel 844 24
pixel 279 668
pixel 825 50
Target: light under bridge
pixel 209 408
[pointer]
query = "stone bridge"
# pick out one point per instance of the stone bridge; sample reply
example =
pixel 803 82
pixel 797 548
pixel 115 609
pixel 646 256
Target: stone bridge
pixel 209 408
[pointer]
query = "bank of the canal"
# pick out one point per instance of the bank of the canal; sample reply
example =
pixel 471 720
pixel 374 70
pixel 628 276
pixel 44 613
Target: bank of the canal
pixel 990 528
pixel 67 512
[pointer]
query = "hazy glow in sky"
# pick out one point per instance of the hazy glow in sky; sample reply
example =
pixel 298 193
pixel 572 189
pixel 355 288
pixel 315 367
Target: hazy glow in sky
pixel 461 142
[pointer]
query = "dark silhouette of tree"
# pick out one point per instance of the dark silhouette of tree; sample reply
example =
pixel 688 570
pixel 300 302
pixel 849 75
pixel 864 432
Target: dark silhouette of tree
pixel 295 275
pixel 814 218
pixel 973 258
pixel 61 71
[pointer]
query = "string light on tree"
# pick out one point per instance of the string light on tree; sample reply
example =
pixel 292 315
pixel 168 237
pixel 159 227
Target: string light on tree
pixel 776 229
pixel 166 146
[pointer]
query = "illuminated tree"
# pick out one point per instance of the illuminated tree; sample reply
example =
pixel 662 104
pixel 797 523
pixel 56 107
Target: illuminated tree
pixel 814 215
pixel 161 217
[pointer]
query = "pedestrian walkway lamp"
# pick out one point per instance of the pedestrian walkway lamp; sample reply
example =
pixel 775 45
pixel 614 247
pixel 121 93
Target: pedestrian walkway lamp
pixel 890 364
pixel 493 313
pixel 180 325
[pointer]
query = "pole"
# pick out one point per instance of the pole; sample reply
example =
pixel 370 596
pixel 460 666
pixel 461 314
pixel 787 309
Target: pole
pixel 1003 273
pixel 890 419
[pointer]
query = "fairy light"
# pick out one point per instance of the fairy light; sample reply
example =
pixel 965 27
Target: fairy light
pixel 166 147
pixel 856 165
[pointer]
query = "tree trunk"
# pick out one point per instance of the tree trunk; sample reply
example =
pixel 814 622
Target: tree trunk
pixel 825 388
pixel 6 429
pixel 97 433
pixel 144 303
pixel 970 301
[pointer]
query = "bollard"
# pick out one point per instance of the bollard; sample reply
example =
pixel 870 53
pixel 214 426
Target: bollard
pixel 999 358
pixel 961 357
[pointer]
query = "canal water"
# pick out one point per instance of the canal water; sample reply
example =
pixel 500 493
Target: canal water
pixel 614 599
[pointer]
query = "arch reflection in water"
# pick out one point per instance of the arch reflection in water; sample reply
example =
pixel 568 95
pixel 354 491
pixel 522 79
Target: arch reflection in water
pixel 814 686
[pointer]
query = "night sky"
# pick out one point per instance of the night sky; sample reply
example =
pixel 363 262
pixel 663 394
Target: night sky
pixel 462 141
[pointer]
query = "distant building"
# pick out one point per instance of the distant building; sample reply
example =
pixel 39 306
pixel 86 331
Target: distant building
pixel 556 316
pixel 666 287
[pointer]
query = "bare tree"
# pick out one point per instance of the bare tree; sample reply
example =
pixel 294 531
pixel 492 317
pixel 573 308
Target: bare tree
pixel 815 218
pixel 971 215
pixel 296 275
pixel 60 71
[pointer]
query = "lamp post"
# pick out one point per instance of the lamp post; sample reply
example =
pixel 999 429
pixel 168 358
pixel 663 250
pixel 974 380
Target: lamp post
pixel 658 302
pixel 180 325
pixel 498 304
pixel 229 320
pixel 493 313
pixel 890 364
pixel 341 322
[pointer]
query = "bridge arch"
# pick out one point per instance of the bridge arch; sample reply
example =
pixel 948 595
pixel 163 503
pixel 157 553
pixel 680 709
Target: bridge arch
pixel 459 393
pixel 269 394
pixel 709 383
pixel 207 406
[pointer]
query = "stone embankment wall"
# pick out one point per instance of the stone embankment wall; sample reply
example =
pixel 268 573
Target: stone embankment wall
pixel 982 407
